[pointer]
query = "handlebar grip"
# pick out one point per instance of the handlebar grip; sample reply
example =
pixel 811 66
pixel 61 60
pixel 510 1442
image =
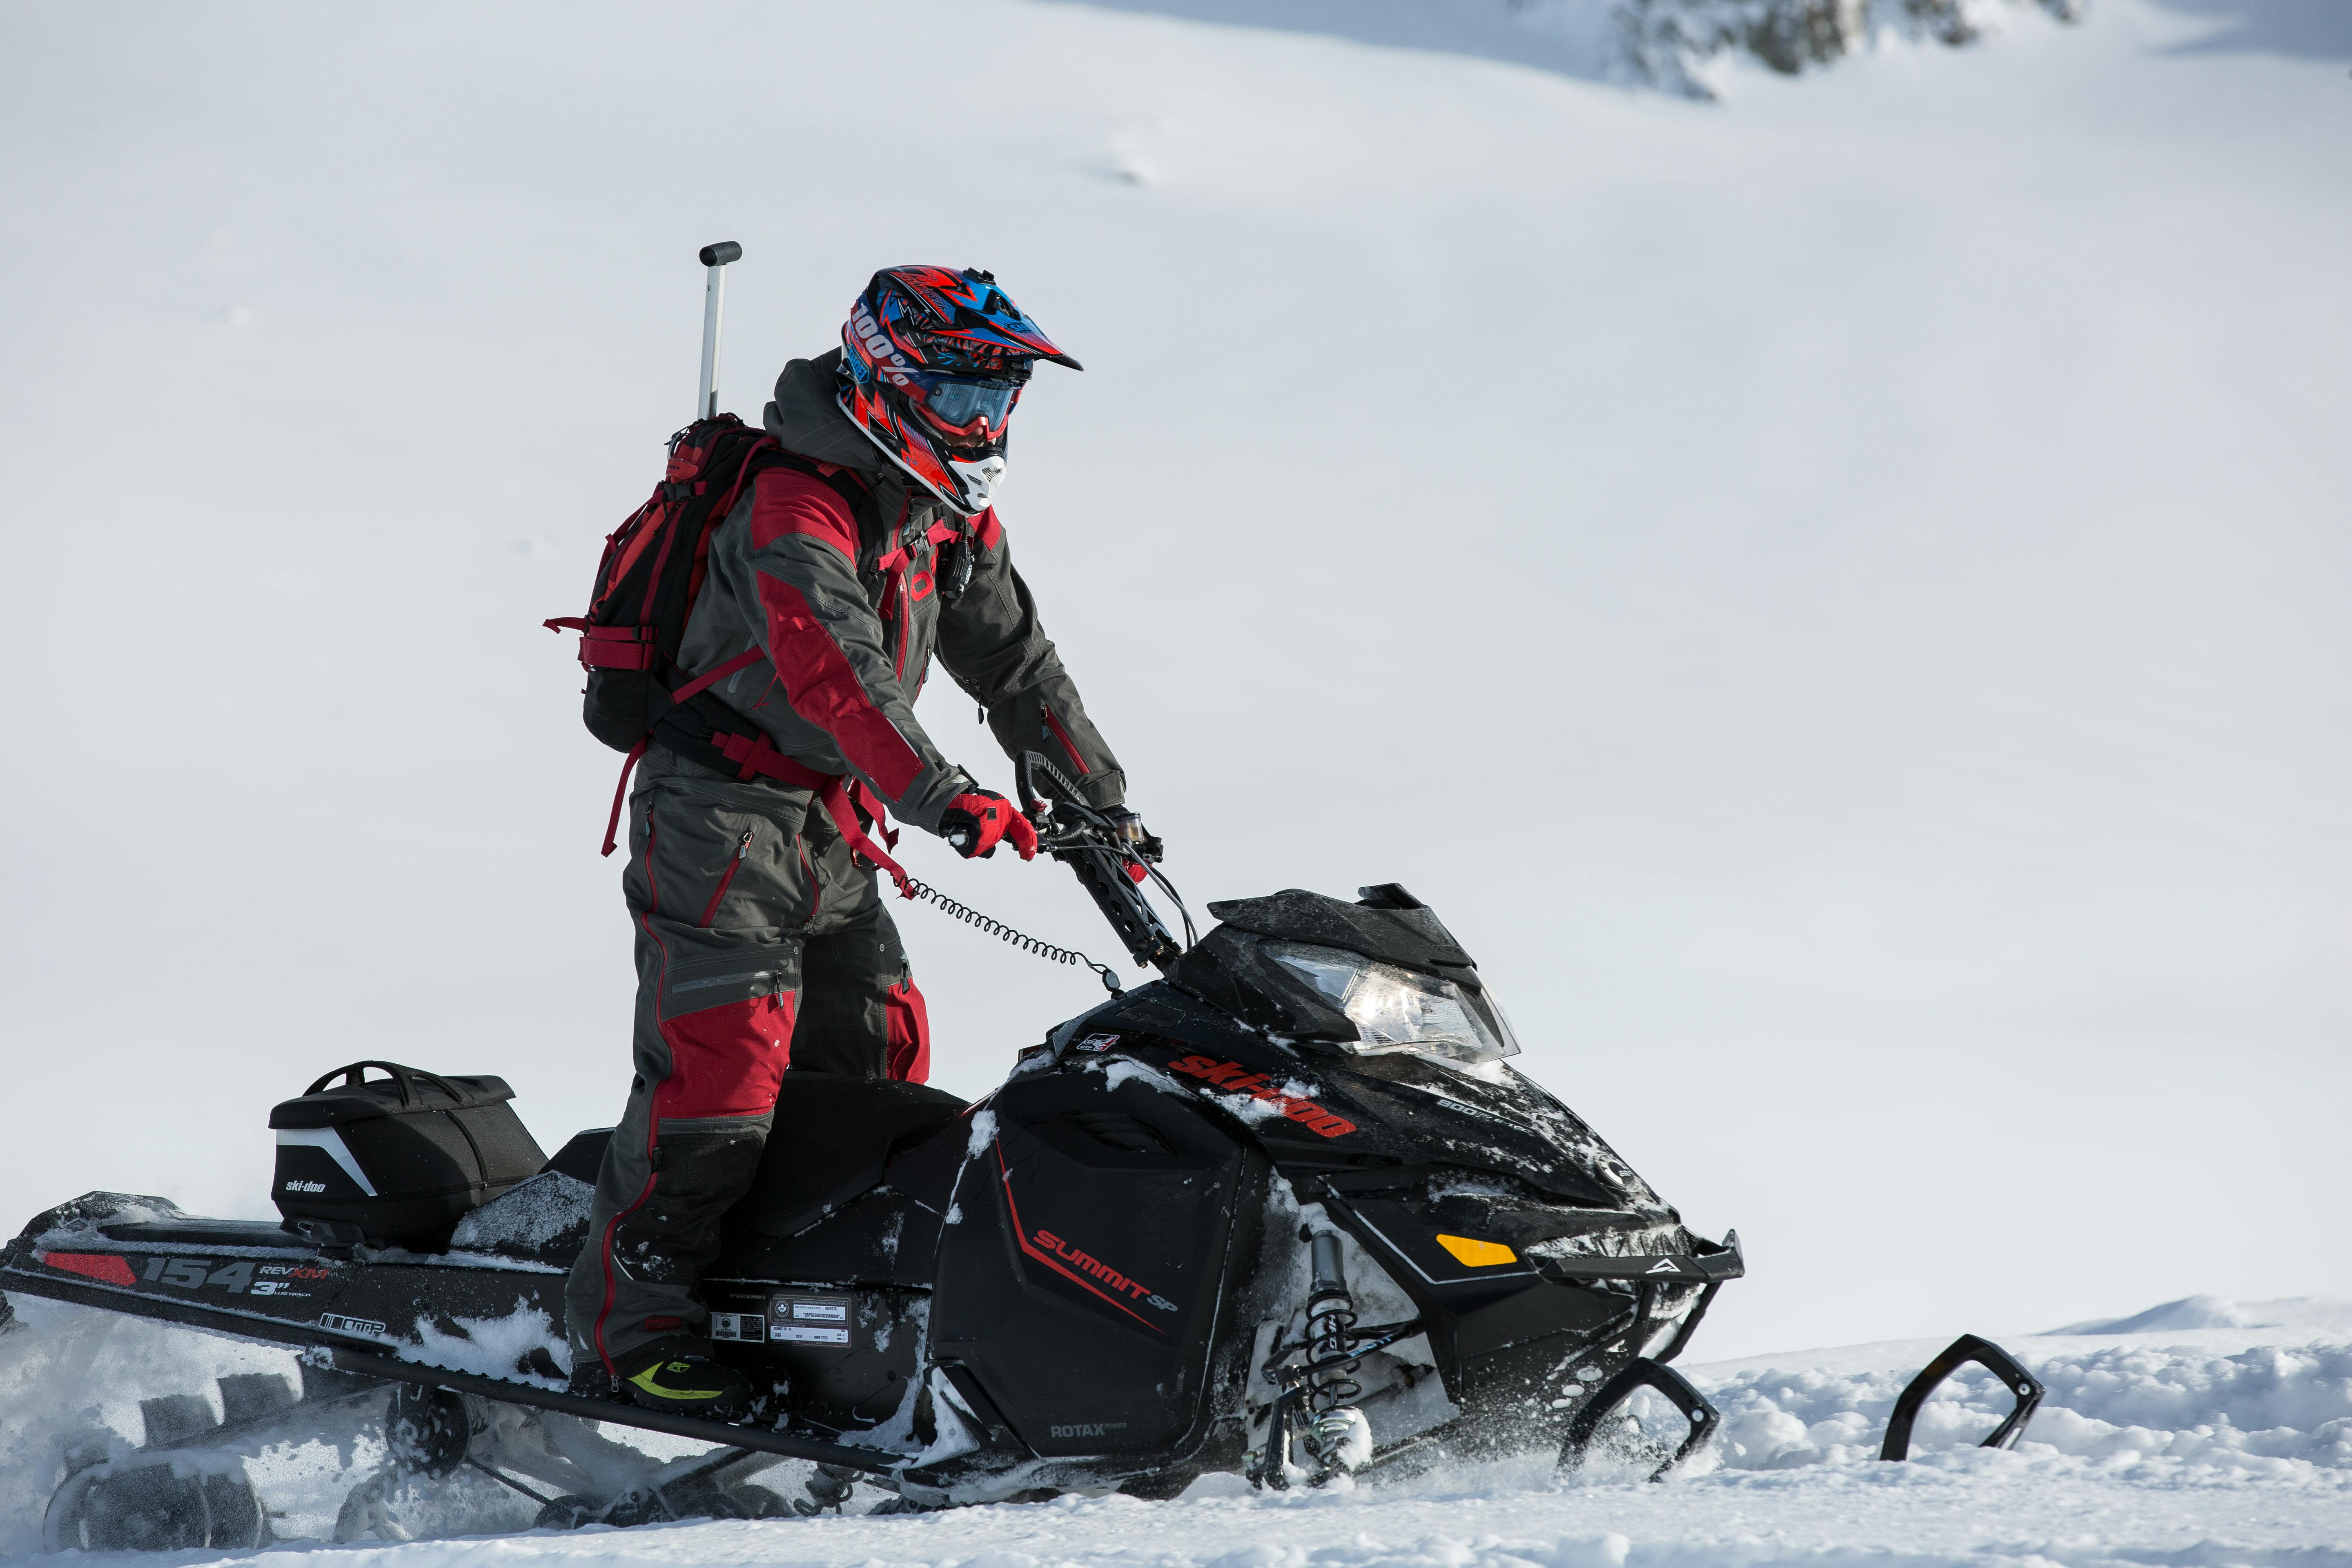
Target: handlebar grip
pixel 720 254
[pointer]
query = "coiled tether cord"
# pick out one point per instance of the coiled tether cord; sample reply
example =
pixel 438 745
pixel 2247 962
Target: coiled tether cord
pixel 925 893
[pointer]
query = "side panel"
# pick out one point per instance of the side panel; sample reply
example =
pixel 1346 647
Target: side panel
pixel 1082 1280
pixel 844 1354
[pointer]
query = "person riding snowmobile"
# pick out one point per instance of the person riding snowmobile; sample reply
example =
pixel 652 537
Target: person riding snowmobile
pixel 762 940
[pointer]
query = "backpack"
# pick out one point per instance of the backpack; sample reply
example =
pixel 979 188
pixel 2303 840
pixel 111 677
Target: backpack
pixel 647 585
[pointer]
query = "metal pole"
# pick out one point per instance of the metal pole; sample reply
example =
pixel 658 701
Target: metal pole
pixel 715 259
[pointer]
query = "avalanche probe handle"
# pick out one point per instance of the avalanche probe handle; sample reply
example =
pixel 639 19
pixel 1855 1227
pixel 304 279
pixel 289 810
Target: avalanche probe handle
pixel 715 259
pixel 1095 845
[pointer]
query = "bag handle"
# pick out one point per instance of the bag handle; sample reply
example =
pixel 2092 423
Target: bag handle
pixel 405 1077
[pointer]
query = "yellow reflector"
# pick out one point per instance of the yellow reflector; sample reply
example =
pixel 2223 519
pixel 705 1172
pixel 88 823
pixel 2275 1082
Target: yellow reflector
pixel 1477 1254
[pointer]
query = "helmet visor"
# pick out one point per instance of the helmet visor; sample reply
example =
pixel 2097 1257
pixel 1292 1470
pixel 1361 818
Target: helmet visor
pixel 968 410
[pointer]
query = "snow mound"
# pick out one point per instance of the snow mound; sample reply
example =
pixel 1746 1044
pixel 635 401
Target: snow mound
pixel 2220 1313
pixel 2137 1411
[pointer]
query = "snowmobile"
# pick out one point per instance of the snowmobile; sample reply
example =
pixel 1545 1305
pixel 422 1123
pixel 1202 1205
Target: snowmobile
pixel 1287 1211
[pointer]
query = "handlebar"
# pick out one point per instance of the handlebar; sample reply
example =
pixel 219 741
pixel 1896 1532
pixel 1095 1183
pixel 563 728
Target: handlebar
pixel 1100 849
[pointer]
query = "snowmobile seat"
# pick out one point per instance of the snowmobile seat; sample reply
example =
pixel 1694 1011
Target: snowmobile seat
pixel 833 1136
pixel 580 1158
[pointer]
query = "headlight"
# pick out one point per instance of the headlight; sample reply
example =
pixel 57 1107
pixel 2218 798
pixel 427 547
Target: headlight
pixel 1399 1010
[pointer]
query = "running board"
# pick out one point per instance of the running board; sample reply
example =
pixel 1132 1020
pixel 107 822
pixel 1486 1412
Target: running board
pixel 1644 1373
pixel 871 1461
pixel 348 1354
pixel 1958 1353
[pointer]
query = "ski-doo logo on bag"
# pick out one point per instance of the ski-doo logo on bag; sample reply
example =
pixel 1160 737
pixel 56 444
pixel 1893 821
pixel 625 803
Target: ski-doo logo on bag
pixel 1239 1080
pixel 302 1186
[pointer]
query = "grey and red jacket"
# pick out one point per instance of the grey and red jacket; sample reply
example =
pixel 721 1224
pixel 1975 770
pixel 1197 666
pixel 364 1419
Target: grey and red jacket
pixel 846 617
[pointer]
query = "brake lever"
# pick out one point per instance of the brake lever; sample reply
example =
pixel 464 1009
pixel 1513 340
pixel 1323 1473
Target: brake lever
pixel 1054 835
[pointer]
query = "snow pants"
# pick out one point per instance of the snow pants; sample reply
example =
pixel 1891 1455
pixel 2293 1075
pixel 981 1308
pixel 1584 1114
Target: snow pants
pixel 761 943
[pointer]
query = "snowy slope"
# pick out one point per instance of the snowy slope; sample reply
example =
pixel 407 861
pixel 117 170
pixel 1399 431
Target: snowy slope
pixel 1836 596
pixel 2204 1449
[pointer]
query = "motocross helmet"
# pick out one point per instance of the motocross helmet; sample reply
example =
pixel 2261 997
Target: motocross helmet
pixel 932 361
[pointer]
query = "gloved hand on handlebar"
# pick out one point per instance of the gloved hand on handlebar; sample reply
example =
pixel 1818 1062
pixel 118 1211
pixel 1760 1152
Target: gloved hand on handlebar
pixel 975 824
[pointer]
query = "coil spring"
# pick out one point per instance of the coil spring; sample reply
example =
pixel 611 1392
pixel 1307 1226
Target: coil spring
pixel 1330 1320
pixel 991 926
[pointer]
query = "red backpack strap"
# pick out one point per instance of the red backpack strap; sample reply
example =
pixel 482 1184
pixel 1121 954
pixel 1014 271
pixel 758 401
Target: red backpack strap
pixel 620 793
pixel 745 660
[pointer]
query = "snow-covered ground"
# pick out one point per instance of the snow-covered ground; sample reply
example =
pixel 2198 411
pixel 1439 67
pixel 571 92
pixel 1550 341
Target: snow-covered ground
pixel 2183 1447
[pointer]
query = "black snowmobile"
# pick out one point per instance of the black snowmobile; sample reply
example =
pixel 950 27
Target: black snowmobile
pixel 1286 1212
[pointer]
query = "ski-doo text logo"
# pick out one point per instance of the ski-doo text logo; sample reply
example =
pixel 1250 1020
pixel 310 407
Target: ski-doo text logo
pixel 302 1186
pixel 1238 1078
pixel 1102 1271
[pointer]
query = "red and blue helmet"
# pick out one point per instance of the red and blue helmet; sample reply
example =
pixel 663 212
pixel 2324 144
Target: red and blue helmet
pixel 932 363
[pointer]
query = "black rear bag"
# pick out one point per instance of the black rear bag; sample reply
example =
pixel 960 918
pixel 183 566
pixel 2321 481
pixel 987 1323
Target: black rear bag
pixel 399 1159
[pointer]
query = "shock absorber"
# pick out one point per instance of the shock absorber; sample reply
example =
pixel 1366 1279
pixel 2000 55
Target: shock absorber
pixel 1331 1385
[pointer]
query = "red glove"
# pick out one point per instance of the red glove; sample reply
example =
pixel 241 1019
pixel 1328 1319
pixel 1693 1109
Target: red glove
pixel 976 822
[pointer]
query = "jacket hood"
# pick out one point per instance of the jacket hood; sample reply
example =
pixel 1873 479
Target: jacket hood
pixel 807 420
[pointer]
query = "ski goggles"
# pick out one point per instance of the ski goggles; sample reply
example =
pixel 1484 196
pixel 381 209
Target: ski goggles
pixel 972 407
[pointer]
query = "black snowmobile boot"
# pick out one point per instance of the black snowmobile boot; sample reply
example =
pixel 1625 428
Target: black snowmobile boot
pixel 680 1374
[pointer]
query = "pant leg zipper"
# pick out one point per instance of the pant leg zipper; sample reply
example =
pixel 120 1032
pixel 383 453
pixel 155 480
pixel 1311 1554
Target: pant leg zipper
pixel 727 878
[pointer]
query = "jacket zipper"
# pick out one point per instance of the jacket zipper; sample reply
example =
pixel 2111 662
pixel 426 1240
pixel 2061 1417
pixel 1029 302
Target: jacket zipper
pixel 727 878
pixel 817 893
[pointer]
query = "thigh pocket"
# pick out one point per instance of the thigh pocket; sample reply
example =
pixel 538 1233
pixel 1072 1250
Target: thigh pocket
pixel 714 864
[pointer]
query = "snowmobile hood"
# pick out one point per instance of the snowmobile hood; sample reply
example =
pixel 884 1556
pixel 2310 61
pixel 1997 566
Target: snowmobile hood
pixel 1314 1108
pixel 1391 932
pixel 1266 1029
